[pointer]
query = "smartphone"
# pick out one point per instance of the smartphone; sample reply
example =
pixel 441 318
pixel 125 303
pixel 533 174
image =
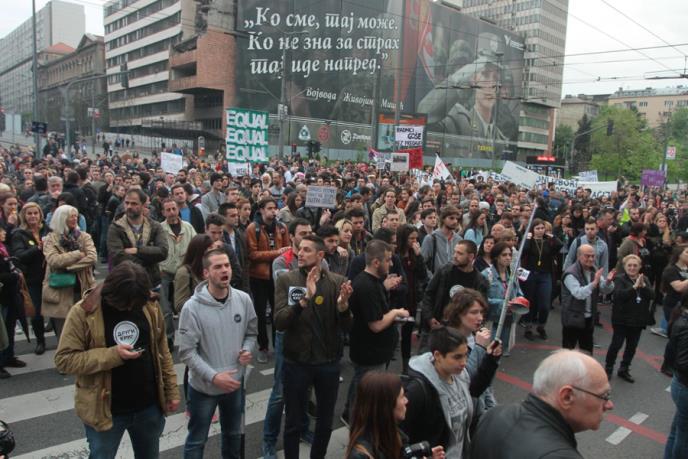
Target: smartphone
pixel 139 349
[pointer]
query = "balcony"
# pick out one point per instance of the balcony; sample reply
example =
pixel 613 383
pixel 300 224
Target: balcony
pixel 186 85
pixel 179 60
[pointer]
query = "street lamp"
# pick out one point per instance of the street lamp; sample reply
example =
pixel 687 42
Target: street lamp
pixel 282 108
pixel 66 108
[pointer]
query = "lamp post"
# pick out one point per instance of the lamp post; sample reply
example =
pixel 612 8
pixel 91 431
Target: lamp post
pixel 282 109
pixel 66 108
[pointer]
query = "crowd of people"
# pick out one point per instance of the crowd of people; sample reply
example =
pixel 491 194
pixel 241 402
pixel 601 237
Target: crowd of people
pixel 222 269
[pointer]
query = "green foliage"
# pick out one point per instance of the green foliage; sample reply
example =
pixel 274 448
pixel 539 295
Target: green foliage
pixel 562 141
pixel 583 138
pixel 677 131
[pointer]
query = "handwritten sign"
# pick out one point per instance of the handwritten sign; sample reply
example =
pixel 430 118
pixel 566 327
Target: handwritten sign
pixel 321 196
pixel 171 163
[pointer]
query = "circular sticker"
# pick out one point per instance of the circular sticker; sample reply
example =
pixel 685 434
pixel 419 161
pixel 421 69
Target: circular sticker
pixel 295 294
pixel 454 290
pixel 237 318
pixel 126 333
pixel 319 300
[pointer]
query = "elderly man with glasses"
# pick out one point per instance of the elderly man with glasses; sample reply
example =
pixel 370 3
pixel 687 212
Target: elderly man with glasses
pixel 570 394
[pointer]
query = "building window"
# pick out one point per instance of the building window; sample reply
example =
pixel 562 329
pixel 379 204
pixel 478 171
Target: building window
pixel 642 104
pixel 668 103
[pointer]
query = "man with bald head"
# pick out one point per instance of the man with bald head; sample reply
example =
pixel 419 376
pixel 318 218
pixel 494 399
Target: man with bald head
pixel 582 283
pixel 570 394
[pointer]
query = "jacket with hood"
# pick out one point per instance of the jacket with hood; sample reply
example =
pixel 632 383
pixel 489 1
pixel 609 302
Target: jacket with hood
pixel 83 352
pixel 427 412
pixel 438 244
pixel 259 253
pixel 211 335
pixel 152 249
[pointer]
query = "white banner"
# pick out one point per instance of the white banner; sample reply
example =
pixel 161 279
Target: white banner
pixel 321 196
pixel 409 136
pixel 171 163
pixel 400 162
pixel 239 169
pixel 599 189
pixel 588 176
pixel 519 175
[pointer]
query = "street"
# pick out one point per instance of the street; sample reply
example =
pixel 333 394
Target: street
pixel 38 404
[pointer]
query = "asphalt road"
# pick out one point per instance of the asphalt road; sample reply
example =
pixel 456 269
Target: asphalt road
pixel 38 404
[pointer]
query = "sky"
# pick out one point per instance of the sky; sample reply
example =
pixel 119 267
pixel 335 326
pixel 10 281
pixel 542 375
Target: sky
pixel 593 26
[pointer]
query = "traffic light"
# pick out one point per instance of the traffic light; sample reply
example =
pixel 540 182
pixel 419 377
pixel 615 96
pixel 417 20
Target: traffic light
pixel 316 147
pixel 610 127
pixel 124 75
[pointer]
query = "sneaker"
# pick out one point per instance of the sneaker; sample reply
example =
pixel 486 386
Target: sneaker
pixel 659 332
pixel 262 357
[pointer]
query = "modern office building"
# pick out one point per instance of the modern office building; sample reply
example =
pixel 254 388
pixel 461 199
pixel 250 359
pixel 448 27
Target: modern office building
pixel 62 73
pixel 543 25
pixel 57 22
pixel 655 104
pixel 139 36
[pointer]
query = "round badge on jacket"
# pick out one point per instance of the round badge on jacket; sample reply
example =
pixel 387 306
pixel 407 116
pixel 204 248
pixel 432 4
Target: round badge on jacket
pixel 126 332
pixel 237 318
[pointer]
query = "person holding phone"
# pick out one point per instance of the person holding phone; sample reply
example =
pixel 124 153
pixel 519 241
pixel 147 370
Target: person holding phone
pixel 633 296
pixel 114 342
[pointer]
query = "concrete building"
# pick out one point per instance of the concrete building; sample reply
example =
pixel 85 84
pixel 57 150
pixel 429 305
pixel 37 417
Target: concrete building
pixel 57 22
pixel 138 38
pixel 574 107
pixel 54 75
pixel 543 25
pixel 655 104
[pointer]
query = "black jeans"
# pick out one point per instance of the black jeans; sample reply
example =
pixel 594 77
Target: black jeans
pixel 623 333
pixel 263 293
pixel 582 336
pixel 296 380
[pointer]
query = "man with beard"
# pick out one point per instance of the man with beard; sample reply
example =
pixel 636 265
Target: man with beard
pixel 313 311
pixel 137 238
pixel 446 281
pixel 114 343
pixel 360 236
pixel 373 335
pixel 266 239
pixel 337 258
pixel 188 213
pixel 390 197
pixel 439 245
pixel 217 335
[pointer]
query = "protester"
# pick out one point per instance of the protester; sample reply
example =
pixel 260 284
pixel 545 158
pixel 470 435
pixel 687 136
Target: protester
pixel 677 360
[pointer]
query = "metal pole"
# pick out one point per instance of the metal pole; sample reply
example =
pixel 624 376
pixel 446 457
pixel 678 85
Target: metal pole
pixel 93 118
pixel 283 103
pixel 498 95
pixel 399 75
pixel 667 134
pixel 516 262
pixel 36 137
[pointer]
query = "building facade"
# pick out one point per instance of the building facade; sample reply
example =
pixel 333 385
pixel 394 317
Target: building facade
pixel 57 22
pixel 573 108
pixel 654 104
pixel 543 25
pixel 60 74
pixel 139 35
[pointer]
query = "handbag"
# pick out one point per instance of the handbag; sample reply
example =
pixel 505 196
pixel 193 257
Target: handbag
pixel 61 280
pixel 29 308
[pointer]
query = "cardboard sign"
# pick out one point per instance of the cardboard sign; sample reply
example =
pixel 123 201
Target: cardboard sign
pixel 247 135
pixel 588 176
pixel 239 169
pixel 171 163
pixel 519 175
pixel 400 162
pixel 409 136
pixel 321 196
pixel 652 177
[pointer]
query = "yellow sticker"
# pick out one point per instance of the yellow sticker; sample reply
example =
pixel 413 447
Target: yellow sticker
pixel 31 242
pixel 319 300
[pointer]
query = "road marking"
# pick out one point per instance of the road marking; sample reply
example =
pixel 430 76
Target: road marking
pixel 47 402
pixel 335 449
pixel 18 337
pixel 668 389
pixel 268 372
pixel 34 363
pixel 172 437
pixel 621 433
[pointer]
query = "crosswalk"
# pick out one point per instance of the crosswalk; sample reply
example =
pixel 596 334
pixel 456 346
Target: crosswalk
pixel 46 426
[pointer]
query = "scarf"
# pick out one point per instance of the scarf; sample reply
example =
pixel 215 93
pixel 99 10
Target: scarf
pixel 70 240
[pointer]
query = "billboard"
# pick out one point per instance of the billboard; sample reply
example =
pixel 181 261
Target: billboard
pixel 346 62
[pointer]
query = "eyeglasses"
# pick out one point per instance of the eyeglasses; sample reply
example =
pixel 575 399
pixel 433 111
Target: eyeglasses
pixel 606 397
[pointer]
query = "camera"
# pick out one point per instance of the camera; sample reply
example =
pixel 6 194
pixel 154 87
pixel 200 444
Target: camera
pixel 6 439
pixel 417 450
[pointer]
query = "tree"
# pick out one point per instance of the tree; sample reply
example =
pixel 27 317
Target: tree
pixel 582 144
pixel 675 133
pixel 562 141
pixel 629 149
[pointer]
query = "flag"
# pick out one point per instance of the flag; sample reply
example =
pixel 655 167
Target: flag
pixel 440 171
pixel 372 154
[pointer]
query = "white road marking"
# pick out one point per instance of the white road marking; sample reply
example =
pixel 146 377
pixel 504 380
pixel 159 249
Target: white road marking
pixel 34 363
pixel 621 433
pixel 668 389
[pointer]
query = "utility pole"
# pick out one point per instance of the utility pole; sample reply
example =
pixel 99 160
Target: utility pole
pixel 93 118
pixel 66 107
pixel 36 136
pixel 498 95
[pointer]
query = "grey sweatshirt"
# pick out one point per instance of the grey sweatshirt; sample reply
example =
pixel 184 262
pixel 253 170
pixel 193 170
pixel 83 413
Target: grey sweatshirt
pixel 444 253
pixel 212 334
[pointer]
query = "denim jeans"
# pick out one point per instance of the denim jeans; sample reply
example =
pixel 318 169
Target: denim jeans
pixel 539 293
pixel 201 409
pixel 144 427
pixel 296 380
pixel 359 371
pixel 677 443
pixel 166 302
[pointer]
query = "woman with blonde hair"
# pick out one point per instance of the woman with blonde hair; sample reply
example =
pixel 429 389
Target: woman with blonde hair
pixel 26 244
pixel 70 256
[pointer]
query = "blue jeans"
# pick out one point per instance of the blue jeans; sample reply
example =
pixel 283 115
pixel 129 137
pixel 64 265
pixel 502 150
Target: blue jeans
pixel 539 293
pixel 677 443
pixel 144 427
pixel 297 378
pixel 506 332
pixel 359 371
pixel 201 409
pixel 166 299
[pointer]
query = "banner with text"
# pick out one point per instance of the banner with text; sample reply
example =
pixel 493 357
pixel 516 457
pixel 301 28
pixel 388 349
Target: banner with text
pixel 321 196
pixel 409 136
pixel 247 135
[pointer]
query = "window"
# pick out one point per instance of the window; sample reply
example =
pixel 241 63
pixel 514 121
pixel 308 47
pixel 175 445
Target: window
pixel 642 104
pixel 668 103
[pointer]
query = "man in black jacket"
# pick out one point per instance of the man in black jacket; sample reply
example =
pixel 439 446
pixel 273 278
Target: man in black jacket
pixel 570 394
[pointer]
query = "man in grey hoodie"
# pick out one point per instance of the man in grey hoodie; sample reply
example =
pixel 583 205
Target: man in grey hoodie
pixel 218 328
pixel 438 247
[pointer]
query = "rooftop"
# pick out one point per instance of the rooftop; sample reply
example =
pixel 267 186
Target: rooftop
pixel 649 92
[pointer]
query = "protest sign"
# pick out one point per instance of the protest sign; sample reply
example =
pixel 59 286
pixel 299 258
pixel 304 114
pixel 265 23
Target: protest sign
pixel 321 196
pixel 519 175
pixel 239 169
pixel 247 135
pixel 599 189
pixel 400 162
pixel 409 136
pixel 171 163
pixel 588 176
pixel 415 157
pixel 652 177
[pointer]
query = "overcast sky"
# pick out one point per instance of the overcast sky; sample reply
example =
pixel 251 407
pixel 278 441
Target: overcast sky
pixel 665 18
